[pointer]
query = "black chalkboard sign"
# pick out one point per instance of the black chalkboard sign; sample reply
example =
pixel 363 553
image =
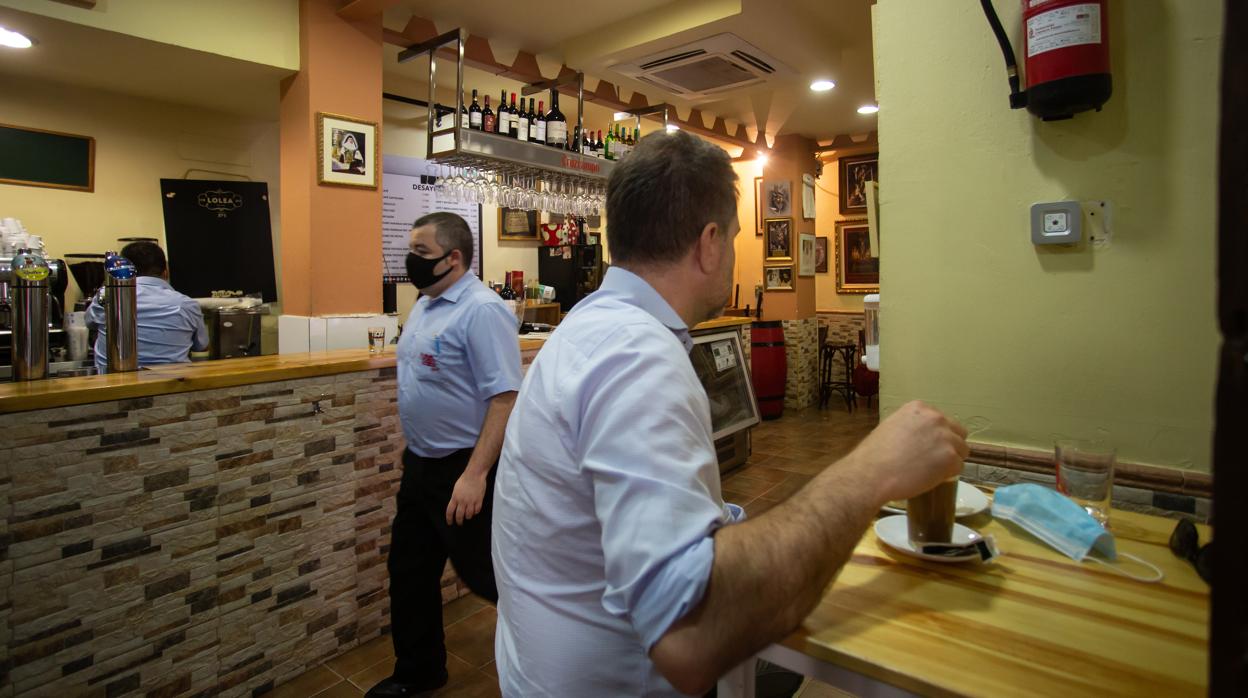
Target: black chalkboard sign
pixel 38 158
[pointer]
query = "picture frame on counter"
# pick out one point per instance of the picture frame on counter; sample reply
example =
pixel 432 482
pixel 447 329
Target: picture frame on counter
pixel 779 239
pixel 777 198
pixel 518 225
pixel 778 278
pixel 821 254
pixel 806 254
pixel 348 151
pixel 855 172
pixel 856 270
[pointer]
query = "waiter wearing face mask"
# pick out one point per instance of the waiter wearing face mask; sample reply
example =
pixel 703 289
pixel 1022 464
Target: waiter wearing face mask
pixel 459 370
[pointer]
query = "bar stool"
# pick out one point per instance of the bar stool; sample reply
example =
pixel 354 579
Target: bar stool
pixel 827 384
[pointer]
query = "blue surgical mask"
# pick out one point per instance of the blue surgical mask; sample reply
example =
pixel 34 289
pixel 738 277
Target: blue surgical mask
pixel 1063 524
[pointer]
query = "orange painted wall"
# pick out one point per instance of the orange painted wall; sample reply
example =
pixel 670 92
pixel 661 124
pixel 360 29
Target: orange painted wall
pixel 331 236
pixel 790 158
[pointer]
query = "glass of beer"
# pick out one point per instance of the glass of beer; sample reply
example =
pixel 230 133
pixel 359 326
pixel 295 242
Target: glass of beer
pixel 376 340
pixel 929 516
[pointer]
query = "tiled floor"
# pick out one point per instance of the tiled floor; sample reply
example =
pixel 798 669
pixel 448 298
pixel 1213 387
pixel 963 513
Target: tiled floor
pixel 787 453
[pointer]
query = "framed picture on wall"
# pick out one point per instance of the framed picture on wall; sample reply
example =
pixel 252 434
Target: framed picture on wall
pixel 856 270
pixel 778 278
pixel 806 255
pixel 779 239
pixel 758 211
pixel 821 254
pixel 777 197
pixel 348 151
pixel 855 172
pixel 517 225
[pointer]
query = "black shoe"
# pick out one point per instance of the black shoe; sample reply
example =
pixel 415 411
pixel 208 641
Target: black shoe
pixel 391 688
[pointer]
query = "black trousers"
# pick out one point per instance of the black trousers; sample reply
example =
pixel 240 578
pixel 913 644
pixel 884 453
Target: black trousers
pixel 420 543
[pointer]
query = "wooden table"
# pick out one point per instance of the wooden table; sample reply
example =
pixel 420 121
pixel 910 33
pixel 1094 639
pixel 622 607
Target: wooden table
pixel 1032 623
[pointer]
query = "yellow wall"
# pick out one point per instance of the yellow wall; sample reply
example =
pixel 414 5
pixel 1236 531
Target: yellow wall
pixel 827 213
pixel 137 142
pixel 260 31
pixel 1027 343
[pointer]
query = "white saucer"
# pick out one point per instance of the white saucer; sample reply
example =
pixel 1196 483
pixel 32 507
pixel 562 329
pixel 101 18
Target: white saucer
pixel 970 502
pixel 892 531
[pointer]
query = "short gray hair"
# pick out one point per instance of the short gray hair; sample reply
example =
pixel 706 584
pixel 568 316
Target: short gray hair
pixel 664 193
pixel 451 232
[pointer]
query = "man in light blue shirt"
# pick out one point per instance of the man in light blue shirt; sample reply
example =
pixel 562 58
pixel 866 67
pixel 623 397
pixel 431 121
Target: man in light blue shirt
pixel 621 572
pixel 459 370
pixel 170 324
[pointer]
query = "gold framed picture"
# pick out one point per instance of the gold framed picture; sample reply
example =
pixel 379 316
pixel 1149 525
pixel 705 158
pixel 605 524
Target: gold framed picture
pixel 856 270
pixel 778 278
pixel 348 151
pixel 779 239
pixel 518 225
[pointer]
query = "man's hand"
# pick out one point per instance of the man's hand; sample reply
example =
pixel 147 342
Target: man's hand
pixel 466 499
pixel 911 452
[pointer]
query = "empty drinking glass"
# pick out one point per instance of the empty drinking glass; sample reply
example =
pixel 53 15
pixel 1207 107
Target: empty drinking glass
pixel 1085 473
pixel 376 340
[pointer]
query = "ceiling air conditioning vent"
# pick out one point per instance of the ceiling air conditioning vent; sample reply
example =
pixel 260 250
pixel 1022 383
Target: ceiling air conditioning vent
pixel 707 68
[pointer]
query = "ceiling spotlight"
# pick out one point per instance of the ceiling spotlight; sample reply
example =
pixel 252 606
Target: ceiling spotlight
pixel 672 127
pixel 14 39
pixel 822 85
pixel 868 109
pixel 762 158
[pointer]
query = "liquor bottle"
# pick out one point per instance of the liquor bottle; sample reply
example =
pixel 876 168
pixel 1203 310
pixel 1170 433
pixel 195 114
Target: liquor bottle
pixel 474 113
pixel 556 124
pixel 543 125
pixel 487 118
pixel 520 122
pixel 608 146
pixel 504 115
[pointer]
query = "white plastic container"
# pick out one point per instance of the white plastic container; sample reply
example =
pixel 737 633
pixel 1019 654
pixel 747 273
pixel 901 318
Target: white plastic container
pixel 871 311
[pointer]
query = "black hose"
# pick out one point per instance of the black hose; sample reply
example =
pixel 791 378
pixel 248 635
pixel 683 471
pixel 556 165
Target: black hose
pixel 1018 98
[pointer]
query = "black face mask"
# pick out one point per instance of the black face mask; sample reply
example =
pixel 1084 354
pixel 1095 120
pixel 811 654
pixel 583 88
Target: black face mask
pixel 420 269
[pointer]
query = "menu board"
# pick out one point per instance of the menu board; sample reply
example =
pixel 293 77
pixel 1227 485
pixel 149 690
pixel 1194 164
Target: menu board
pixel 409 192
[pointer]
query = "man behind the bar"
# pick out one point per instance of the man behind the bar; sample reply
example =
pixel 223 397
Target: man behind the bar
pixel 459 369
pixel 169 324
pixel 620 570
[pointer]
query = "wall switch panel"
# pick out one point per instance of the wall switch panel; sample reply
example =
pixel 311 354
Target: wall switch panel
pixel 1056 223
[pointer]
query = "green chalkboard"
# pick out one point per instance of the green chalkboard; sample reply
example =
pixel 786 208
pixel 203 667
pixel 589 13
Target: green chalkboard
pixel 39 158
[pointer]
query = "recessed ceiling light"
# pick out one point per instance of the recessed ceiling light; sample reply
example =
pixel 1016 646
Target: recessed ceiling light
pixel 762 157
pixel 14 39
pixel 822 85
pixel 868 109
pixel 672 127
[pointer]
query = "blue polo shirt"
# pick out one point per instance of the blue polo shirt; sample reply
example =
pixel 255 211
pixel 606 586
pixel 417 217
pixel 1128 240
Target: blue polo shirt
pixel 170 325
pixel 456 352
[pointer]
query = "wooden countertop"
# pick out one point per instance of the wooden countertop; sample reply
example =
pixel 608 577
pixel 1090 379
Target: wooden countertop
pixel 720 323
pixel 1033 623
pixel 200 375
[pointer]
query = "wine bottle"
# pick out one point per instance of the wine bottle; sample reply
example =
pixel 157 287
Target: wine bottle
pixel 576 139
pixel 487 118
pixel 539 117
pixel 608 147
pixel 636 135
pixel 556 124
pixel 474 113
pixel 504 116
pixel 520 122
pixel 600 146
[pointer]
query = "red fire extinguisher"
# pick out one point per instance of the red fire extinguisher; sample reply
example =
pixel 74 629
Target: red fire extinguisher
pixel 1066 43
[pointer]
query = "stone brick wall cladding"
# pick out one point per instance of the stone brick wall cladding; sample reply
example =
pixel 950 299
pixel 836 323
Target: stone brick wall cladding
pixel 842 327
pixel 216 542
pixel 801 340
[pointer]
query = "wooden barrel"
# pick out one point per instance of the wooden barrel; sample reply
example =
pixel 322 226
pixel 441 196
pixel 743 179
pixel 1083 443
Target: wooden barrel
pixel 770 367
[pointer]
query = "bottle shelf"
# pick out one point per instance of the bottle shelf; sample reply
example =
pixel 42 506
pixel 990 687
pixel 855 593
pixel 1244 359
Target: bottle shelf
pixel 465 147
